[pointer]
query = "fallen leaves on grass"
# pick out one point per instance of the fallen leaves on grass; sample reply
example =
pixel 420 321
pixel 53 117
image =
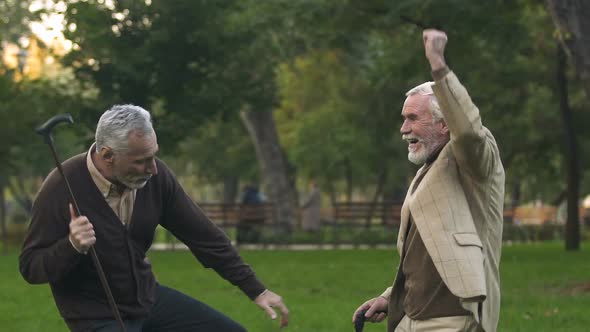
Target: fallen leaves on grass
pixel 577 289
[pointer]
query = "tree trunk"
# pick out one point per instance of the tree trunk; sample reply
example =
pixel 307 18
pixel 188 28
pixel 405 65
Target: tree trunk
pixel 571 17
pixel 332 191
pixel 3 217
pixel 515 202
pixel 262 130
pixel 378 193
pixel 20 195
pixel 230 189
pixel 348 172
pixel 572 225
pixel 291 177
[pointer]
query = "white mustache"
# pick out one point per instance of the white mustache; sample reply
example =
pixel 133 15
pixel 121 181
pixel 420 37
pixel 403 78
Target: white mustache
pixel 409 137
pixel 142 179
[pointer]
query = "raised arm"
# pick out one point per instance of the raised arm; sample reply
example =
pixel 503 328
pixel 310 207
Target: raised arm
pixel 473 145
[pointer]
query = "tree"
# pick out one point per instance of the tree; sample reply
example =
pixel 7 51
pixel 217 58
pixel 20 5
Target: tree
pixel 329 123
pixel 327 70
pixel 570 18
pixel 14 19
pixel 185 60
pixel 572 228
pixel 220 153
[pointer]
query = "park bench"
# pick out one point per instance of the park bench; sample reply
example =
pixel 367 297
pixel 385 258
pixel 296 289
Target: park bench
pixel 364 214
pixel 355 214
pixel 389 213
pixel 246 218
pixel 227 215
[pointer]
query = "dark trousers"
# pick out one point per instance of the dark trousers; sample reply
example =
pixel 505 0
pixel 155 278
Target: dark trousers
pixel 174 312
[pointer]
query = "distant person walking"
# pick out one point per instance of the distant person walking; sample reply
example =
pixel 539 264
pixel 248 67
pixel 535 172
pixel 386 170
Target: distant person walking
pixel 252 216
pixel 311 209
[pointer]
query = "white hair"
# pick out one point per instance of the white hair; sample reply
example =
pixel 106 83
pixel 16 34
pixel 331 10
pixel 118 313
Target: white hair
pixel 425 89
pixel 118 122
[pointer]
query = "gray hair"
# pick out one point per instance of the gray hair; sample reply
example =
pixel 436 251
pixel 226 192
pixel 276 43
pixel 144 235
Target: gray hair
pixel 118 122
pixel 425 89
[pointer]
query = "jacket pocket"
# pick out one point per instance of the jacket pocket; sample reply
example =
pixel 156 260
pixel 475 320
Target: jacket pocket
pixel 468 239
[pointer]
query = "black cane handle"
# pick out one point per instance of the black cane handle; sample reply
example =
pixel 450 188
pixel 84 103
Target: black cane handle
pixel 46 128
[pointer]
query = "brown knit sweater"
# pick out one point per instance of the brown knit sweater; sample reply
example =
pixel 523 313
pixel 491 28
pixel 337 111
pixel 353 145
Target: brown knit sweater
pixel 48 256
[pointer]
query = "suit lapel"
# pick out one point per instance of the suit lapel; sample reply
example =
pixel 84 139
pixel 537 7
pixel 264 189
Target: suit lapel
pixel 412 194
pixel 405 213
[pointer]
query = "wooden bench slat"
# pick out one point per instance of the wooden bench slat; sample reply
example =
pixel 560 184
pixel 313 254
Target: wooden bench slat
pixel 230 214
pixel 357 213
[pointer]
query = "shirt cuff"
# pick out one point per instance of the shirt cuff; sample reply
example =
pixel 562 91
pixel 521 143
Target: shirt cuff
pixel 73 246
pixel 387 293
pixel 252 287
pixel 439 74
pixel 265 291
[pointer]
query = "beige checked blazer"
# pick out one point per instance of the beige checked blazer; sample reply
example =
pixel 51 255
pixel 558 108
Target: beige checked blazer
pixel 457 208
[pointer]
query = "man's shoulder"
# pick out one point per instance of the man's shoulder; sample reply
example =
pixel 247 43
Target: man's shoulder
pixel 165 176
pixel 75 161
pixel 163 168
pixel 70 167
pixel 53 186
pixel 496 165
pixel 487 136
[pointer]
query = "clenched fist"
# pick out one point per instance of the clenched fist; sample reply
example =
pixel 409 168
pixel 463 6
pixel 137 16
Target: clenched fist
pixel 375 309
pixel 434 47
pixel 81 232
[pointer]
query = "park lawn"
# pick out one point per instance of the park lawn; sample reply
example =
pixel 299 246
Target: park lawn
pixel 543 287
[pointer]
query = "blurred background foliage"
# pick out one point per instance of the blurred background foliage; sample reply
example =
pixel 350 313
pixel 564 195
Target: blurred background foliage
pixel 332 73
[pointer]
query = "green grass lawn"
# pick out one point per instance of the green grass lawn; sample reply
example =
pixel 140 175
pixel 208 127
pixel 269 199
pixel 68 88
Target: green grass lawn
pixel 542 288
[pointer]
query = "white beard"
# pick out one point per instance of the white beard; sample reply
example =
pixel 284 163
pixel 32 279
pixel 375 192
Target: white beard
pixel 427 148
pixel 419 157
pixel 134 184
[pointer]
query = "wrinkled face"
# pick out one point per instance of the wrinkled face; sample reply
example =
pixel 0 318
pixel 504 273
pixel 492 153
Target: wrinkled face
pixel 423 134
pixel 135 166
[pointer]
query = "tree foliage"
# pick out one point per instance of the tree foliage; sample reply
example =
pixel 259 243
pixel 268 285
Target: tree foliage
pixel 333 71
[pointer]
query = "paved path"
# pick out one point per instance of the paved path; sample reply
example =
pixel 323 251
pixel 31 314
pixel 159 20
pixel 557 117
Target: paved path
pixel 294 247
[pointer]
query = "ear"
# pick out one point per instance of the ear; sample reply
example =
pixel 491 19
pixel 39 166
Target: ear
pixel 444 128
pixel 107 155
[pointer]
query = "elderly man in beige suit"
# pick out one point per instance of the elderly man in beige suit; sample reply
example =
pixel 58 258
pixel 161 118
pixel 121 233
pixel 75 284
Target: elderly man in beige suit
pixel 451 225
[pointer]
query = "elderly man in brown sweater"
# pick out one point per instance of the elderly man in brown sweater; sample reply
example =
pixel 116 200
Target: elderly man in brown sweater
pixel 124 192
pixel 451 221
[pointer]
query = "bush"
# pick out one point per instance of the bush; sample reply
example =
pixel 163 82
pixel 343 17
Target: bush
pixel 376 235
pixel 528 233
pixel 333 235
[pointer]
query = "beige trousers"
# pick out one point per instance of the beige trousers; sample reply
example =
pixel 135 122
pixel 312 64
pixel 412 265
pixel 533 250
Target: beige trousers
pixel 441 324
